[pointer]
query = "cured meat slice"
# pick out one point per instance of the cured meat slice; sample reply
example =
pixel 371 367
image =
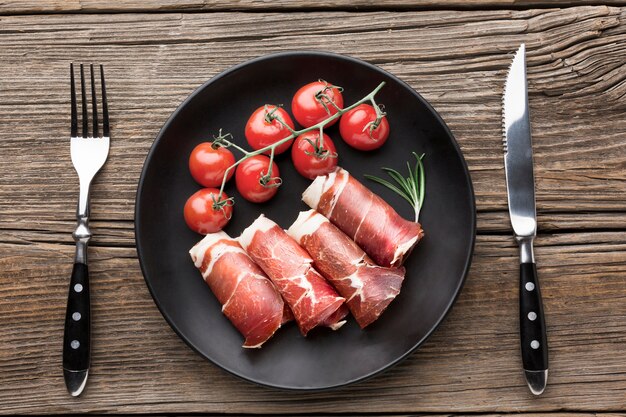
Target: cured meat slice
pixel 372 223
pixel 367 287
pixel 248 298
pixel 287 314
pixel 313 301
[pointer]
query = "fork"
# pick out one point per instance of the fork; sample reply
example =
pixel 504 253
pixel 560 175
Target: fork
pixel 89 154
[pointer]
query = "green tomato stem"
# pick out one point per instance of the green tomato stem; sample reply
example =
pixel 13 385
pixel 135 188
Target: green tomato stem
pixel 239 148
pixel 269 169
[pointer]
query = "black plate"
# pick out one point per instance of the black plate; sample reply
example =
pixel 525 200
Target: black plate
pixel 325 359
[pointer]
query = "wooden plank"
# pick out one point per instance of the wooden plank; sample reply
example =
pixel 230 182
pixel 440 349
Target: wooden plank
pixel 551 414
pixel 120 233
pixel 140 365
pixel 99 6
pixel 456 60
pixel 557 414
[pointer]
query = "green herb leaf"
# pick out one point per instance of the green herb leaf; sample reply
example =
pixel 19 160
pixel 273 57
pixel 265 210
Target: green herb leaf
pixel 389 185
pixel 411 188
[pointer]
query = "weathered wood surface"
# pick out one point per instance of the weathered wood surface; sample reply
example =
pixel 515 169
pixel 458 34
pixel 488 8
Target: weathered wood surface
pixel 90 6
pixel 564 414
pixel 557 414
pixel 470 364
pixel 457 60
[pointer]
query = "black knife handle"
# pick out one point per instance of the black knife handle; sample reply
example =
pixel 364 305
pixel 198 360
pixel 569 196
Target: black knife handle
pixel 532 323
pixel 77 336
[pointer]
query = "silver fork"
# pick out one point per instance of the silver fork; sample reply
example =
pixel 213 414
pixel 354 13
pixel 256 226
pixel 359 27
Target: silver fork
pixel 89 154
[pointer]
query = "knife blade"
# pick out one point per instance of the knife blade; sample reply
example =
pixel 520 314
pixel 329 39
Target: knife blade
pixel 518 163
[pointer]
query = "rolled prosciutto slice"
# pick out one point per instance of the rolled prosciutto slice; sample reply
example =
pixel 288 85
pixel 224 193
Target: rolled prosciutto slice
pixel 313 301
pixel 367 287
pixel 248 298
pixel 372 223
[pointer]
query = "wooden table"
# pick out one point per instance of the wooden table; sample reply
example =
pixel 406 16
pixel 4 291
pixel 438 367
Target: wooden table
pixel 455 54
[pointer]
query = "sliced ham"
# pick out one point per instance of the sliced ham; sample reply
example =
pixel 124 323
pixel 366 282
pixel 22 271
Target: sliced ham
pixel 367 287
pixel 372 223
pixel 313 301
pixel 248 298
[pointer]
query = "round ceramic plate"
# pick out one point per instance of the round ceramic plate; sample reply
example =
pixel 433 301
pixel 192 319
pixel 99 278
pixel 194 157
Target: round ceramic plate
pixel 325 359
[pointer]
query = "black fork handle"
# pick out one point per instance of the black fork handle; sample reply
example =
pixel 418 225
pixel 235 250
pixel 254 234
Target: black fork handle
pixel 77 335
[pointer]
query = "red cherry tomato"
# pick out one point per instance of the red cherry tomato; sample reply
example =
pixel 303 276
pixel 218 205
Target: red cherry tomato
pixel 309 159
pixel 208 164
pixel 201 216
pixel 355 128
pixel 313 103
pixel 261 133
pixel 250 175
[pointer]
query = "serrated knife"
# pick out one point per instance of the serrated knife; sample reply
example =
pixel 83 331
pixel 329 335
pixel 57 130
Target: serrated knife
pixel 518 164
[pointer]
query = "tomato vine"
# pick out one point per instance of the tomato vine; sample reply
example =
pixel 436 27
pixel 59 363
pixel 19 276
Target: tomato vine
pixel 267 179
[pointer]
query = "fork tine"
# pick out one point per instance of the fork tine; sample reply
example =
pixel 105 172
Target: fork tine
pixel 84 101
pixel 105 106
pixel 74 128
pixel 94 105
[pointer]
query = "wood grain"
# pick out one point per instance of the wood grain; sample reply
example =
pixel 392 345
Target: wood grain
pixel 555 414
pixel 123 6
pixel 517 414
pixel 576 71
pixel 457 60
pixel 139 364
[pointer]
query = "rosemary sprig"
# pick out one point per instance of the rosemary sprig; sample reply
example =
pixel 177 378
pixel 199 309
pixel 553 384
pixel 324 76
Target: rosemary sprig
pixel 411 188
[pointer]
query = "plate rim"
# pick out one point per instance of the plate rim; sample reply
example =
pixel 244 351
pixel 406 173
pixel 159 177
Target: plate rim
pixel 320 54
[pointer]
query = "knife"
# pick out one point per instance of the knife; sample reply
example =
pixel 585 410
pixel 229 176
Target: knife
pixel 520 183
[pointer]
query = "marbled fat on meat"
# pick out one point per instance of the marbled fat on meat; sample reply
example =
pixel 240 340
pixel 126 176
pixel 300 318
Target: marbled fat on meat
pixel 372 223
pixel 312 300
pixel 248 298
pixel 367 287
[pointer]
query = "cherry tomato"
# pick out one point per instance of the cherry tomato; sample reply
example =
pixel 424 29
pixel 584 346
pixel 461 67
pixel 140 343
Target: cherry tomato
pixel 260 133
pixel 311 161
pixel 355 128
pixel 200 215
pixel 313 103
pixel 207 164
pixel 249 177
